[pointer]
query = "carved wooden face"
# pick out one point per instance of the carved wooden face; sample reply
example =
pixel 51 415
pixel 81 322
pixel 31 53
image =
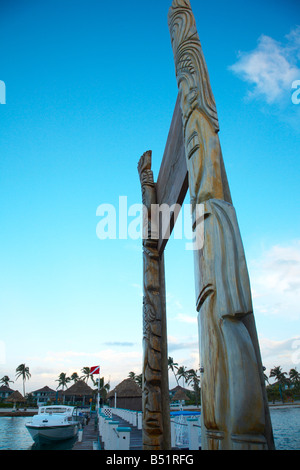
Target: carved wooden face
pixel 191 70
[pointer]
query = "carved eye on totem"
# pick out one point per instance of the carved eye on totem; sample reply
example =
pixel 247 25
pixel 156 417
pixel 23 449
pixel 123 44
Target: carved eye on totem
pixel 189 98
pixel 192 95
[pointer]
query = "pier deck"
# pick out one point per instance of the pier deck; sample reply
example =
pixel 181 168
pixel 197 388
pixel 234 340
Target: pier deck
pixel 90 435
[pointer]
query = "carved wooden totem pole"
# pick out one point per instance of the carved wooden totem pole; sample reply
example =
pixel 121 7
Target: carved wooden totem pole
pixel 235 413
pixel 156 420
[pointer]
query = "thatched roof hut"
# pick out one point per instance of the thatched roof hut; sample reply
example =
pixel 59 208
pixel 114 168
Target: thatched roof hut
pixel 80 391
pixel 128 395
pixel 15 397
pixel 180 395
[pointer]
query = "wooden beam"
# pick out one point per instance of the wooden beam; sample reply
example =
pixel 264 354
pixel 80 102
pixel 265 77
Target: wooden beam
pixel 172 182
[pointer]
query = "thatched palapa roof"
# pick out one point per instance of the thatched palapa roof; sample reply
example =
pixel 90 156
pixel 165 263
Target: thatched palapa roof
pixel 80 389
pixel 45 389
pixel 126 389
pixel 180 395
pixel 6 389
pixel 15 397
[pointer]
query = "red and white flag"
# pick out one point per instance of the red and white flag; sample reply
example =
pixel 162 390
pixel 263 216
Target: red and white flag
pixel 95 370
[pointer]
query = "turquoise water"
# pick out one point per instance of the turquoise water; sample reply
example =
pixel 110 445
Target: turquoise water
pixel 285 421
pixel 14 436
pixel 286 428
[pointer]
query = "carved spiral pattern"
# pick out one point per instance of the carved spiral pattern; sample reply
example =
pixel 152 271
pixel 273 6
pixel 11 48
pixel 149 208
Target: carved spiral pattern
pixel 189 59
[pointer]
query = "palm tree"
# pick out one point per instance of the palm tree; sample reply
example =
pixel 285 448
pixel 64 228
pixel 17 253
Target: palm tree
pixel 294 376
pixel 139 380
pixel 75 377
pixel 87 375
pixel 173 366
pixel 277 373
pixel 23 371
pixel 102 386
pixel 62 380
pixel 193 378
pixel 6 380
pixel 182 373
pixel 281 380
pixel 104 389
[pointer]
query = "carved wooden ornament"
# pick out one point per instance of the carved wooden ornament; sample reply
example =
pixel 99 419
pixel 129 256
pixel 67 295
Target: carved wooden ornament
pixel 234 408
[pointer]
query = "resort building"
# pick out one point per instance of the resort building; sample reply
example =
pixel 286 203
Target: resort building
pixel 43 395
pixel 126 395
pixel 5 392
pixel 178 396
pixel 79 393
pixel 16 398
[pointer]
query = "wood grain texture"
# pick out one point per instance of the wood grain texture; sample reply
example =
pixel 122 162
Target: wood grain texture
pixel 172 182
pixel 235 414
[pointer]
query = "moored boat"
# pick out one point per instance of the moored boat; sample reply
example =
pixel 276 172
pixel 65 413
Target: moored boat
pixel 53 423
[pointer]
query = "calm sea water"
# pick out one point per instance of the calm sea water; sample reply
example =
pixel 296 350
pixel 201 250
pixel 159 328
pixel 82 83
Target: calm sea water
pixel 14 436
pixel 286 428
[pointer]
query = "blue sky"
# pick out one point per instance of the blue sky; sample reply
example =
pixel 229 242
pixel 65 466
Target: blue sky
pixel 90 86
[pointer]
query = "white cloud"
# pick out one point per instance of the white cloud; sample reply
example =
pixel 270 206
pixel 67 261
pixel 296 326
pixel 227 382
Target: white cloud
pixel 115 365
pixel 275 279
pixel 271 67
pixel 285 353
pixel 138 288
pixel 186 319
pixel 190 343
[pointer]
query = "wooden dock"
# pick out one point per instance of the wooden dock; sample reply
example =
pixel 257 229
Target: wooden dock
pixel 90 435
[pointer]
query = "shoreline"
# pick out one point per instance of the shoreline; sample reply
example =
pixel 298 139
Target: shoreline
pixel 10 412
pixel 284 405
pixel 17 414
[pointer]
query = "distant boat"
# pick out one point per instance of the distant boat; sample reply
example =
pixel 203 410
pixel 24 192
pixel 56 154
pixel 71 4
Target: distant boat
pixel 53 423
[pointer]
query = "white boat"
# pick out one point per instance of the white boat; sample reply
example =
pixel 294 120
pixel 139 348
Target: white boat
pixel 53 423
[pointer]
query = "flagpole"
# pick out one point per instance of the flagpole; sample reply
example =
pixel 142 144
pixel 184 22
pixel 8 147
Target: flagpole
pixel 99 392
pixel 93 371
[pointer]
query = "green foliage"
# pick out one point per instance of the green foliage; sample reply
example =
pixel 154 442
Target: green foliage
pixel 5 405
pixel 286 387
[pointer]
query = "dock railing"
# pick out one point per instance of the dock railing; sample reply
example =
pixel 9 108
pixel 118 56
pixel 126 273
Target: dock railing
pixel 132 417
pixel 112 435
pixel 185 428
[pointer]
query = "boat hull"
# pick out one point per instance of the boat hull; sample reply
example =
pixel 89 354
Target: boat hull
pixel 47 434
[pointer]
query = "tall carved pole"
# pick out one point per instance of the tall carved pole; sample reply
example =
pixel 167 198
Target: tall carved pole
pixel 235 412
pixel 156 414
